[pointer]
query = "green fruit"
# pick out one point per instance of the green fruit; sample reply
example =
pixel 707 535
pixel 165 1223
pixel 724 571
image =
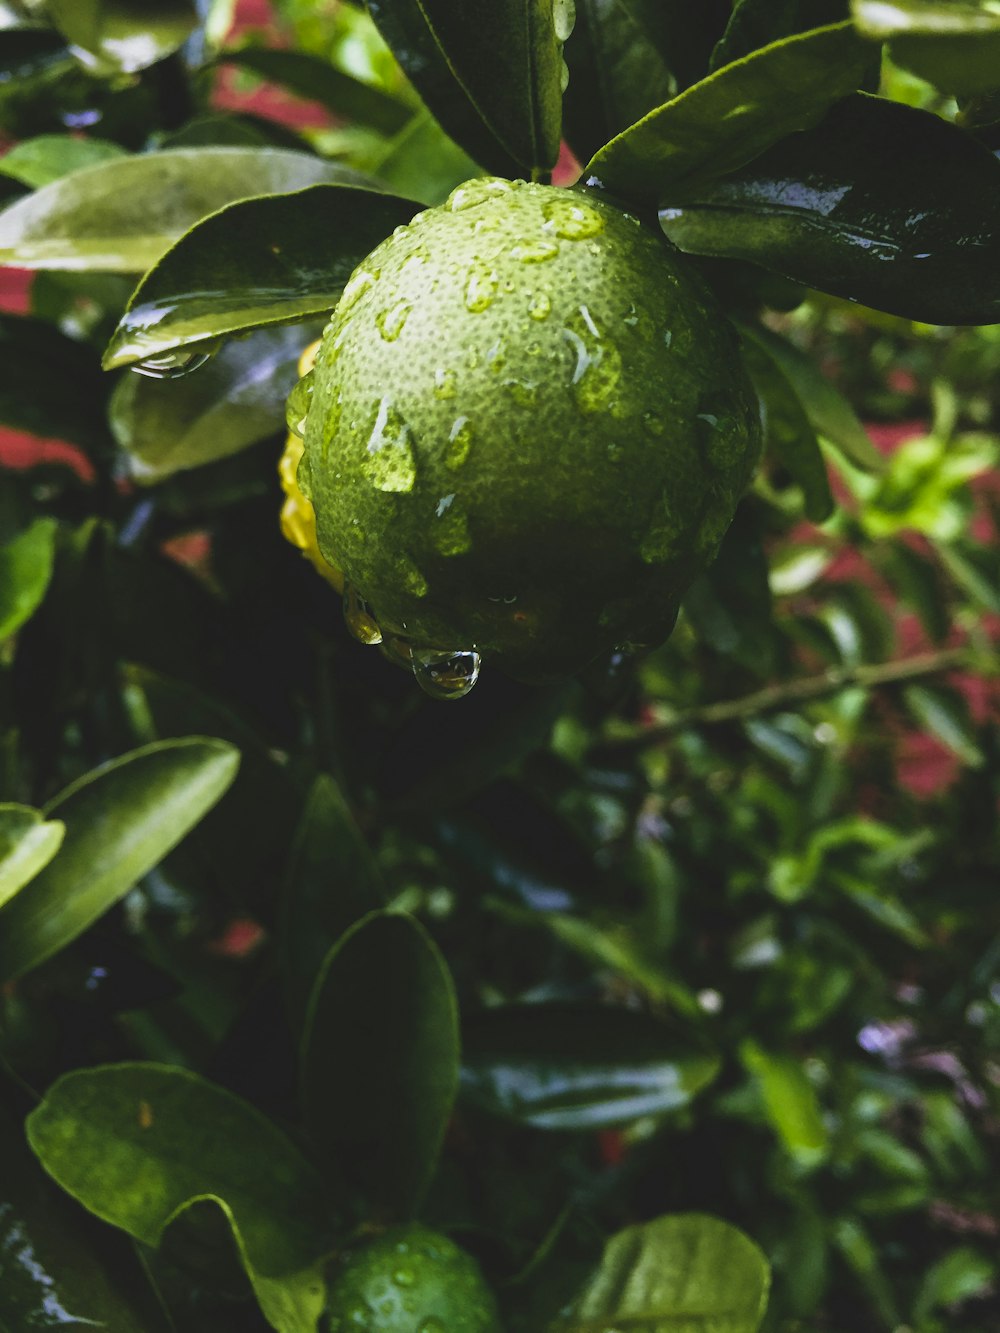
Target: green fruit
pixel 410 1280
pixel 528 429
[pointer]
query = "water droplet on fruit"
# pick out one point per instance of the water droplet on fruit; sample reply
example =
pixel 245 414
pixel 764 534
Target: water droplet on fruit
pixel 432 1325
pixel 540 307
pixel 632 318
pixel 297 406
pixel 653 424
pixel 360 618
pixel 661 537
pixel 524 392
pixel 480 289
pixel 172 365
pixel 410 577
pixel 534 251
pixel 572 219
pixel 459 443
pixel 563 19
pixel 598 362
pixel 476 192
pixel 445 675
pixel 404 1277
pixel 563 75
pixel 360 282
pixel 390 322
pixel 388 460
pixel 444 383
pixel 450 533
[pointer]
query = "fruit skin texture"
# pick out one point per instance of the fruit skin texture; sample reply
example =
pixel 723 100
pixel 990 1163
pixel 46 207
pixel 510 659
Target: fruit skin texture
pixel 529 428
pixel 410 1280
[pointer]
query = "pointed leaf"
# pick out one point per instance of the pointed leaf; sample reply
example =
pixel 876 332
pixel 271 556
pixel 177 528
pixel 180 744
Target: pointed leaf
pixel 139 1143
pixel 274 260
pixel 380 1062
pixel 46 158
pixel 121 820
pixel 26 565
pixel 685 1274
pixel 945 715
pixel 566 1067
pixel 28 841
pixel 732 116
pixel 954 44
pixel 878 227
pixel 120 216
pixel 790 1102
pixel 119 37
pixel 490 74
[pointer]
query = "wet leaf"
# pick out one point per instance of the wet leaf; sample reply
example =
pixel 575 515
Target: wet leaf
pixel 578 1067
pixel 46 158
pixel 120 216
pixel 120 821
pixel 137 1144
pixel 491 75
pixel 123 36
pixel 274 260
pixel 684 1274
pixel 732 116
pixel 789 1101
pixel 954 44
pixel 25 570
pixel 28 841
pixel 380 1062
pixel 879 229
pixel 421 162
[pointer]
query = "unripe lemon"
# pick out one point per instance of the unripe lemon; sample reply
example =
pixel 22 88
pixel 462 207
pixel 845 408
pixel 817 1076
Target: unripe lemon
pixel 410 1280
pixel 528 428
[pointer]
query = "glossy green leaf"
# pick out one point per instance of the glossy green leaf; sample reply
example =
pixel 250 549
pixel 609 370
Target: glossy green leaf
pixel 274 260
pixel 120 216
pixel 235 400
pixel 733 115
pixel 491 74
pixel 46 158
pixel 120 821
pixel 578 1067
pixel 684 1274
pixel 421 162
pixel 790 1102
pixel 380 1062
pixel 123 36
pixel 880 229
pixel 757 23
pixel 139 1143
pixel 25 570
pixel 28 841
pixel 954 44
pixel 945 716
pixel 331 883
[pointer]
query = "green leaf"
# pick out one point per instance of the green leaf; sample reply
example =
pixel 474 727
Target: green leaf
pixel 120 216
pixel 961 1273
pixel 120 821
pixel 421 162
pixel 879 227
pixel 954 44
pixel 35 355
pixel 380 1062
pixel 273 260
pixel 46 158
pixel 790 1102
pixel 490 74
pixel 945 716
pixel 123 36
pixel 684 1274
pixel 757 23
pixel 26 565
pixel 578 1067
pixel 234 401
pixel 733 115
pixel 28 841
pixel 137 1144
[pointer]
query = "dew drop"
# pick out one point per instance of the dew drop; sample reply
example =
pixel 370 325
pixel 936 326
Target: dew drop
pixel 450 534
pixel 541 306
pixel 432 1325
pixel 445 675
pixel 445 383
pixel 390 322
pixel 572 219
pixel 410 577
pixel 480 288
pixel 653 424
pixel 388 460
pixel 563 75
pixel 459 443
pixel 172 365
pixel 563 19
pixel 360 617
pixel 404 1277
pixel 534 251
pixel 632 318
pixel 476 192
pixel 360 282
pixel 524 392
pixel 598 362
pixel 297 405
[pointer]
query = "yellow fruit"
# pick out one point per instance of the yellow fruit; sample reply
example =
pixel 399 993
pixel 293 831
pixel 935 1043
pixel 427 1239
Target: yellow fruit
pixel 527 429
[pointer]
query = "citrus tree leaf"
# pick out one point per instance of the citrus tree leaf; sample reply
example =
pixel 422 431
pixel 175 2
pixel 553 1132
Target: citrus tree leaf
pixel 577 1067
pixel 25 570
pixel 684 1274
pixel 120 216
pixel 490 74
pixel 123 36
pixel 756 23
pixel 36 355
pixel 879 228
pixel 234 401
pixel 121 820
pixel 733 115
pixel 273 260
pixel 789 1101
pixel 137 1144
pixel 47 157
pixel 944 714
pixel 28 841
pixel 380 1062
pixel 954 44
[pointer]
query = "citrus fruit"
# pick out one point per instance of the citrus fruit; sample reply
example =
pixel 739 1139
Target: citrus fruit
pixel 527 429
pixel 410 1280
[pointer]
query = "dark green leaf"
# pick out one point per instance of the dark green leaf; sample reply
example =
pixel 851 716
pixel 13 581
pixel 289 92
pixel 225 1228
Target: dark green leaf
pixel 35 355
pixel 123 36
pixel 879 228
pixel 733 115
pixel 491 75
pixel 789 1101
pixel 921 587
pixel 729 605
pixel 25 570
pixel 28 841
pixel 421 162
pixel 562 1066
pixel 944 715
pixel 757 23
pixel 120 821
pixel 380 1062
pixel 683 1274
pixel 138 1143
pixel 273 260
pixel 954 44
pixel 120 216
pixel 38 161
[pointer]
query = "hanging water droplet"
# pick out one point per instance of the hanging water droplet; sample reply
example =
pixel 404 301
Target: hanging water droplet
pixel 476 192
pixel 534 251
pixel 541 306
pixel 172 365
pixel 297 404
pixel 480 288
pixel 446 675
pixel 572 219
pixel 388 460
pixel 563 75
pixel 360 618
pixel 459 443
pixel 445 383
pixel 563 19
pixel 390 322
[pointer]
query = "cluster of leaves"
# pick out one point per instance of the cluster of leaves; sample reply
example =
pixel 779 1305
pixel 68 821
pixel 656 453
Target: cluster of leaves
pixel 562 969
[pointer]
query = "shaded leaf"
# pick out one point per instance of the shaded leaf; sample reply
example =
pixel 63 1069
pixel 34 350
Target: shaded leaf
pixel 272 260
pixel 120 821
pixel 26 565
pixel 757 23
pixel 120 216
pixel 957 1275
pixel 733 115
pixel 28 841
pixel 944 715
pixel 577 1067
pixel 954 44
pixel 380 1062
pixel 139 1143
pixel 35 355
pixel 877 227
pixel 123 36
pixel 790 1102
pixel 36 162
